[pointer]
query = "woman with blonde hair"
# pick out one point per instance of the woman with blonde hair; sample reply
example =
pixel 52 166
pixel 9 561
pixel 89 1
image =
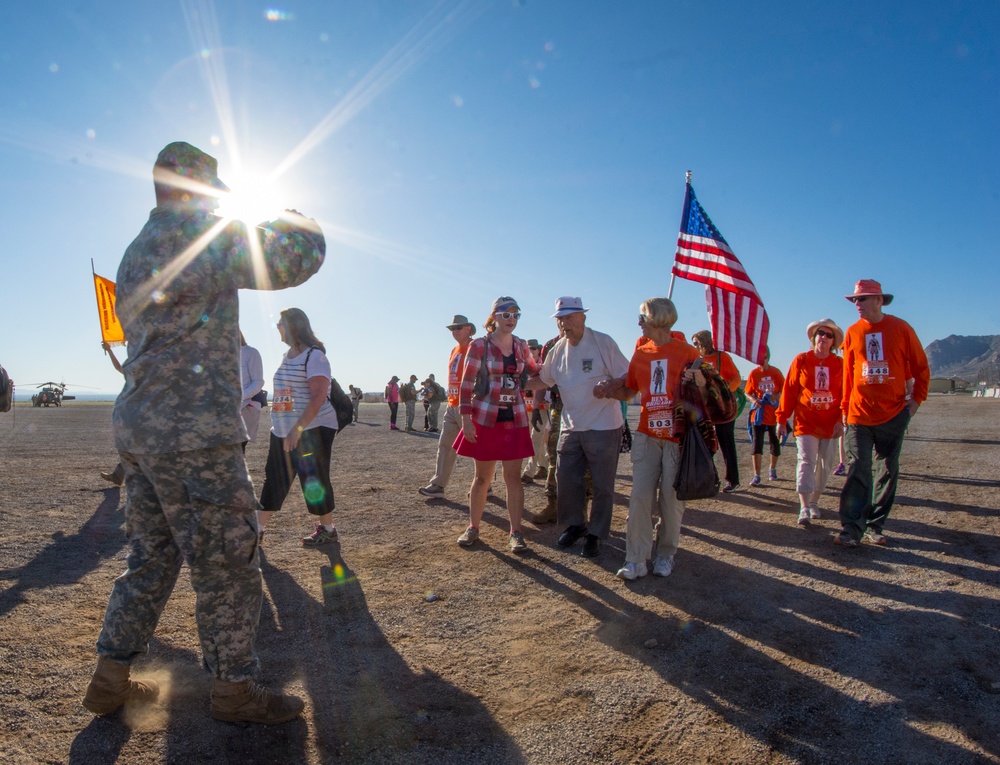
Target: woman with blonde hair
pixel 303 424
pixel 655 372
pixel 494 418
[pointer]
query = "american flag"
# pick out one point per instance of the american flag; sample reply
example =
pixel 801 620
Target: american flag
pixel 735 310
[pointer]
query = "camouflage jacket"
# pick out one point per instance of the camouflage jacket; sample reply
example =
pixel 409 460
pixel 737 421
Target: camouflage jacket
pixel 177 301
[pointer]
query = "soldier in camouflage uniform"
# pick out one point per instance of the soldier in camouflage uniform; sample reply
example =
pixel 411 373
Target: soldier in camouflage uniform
pixel 178 429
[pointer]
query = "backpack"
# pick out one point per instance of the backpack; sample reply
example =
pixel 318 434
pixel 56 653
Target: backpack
pixel 341 404
pixel 6 391
pixel 339 400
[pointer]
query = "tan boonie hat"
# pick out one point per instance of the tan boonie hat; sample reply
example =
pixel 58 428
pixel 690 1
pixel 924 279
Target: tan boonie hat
pixel 189 162
pixel 458 321
pixel 830 324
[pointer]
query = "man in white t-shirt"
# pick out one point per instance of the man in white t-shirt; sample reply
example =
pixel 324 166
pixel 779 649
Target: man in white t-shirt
pixel 591 428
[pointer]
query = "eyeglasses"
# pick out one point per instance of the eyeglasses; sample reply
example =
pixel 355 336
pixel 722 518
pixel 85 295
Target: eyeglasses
pixel 508 314
pixel 860 299
pixel 824 333
pixel 643 318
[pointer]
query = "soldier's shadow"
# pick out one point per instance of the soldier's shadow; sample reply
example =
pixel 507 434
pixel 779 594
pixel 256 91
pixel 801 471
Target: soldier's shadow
pixel 365 701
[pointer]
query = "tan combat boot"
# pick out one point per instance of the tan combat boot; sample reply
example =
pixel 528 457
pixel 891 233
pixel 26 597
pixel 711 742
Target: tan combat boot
pixel 252 703
pixel 548 515
pixel 111 688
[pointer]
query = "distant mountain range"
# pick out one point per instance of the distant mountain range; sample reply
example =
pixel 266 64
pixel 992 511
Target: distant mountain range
pixel 963 356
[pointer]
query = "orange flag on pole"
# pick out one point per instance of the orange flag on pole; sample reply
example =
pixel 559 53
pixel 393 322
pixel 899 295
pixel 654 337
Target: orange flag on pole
pixel 111 329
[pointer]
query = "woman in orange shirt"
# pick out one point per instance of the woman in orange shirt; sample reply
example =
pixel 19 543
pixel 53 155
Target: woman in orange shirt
pixel 655 372
pixel 726 431
pixel 763 389
pixel 812 394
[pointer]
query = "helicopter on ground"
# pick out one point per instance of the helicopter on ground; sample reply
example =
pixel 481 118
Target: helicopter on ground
pixel 51 394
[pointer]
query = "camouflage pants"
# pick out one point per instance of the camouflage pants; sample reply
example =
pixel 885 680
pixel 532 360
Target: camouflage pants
pixel 555 416
pixel 195 507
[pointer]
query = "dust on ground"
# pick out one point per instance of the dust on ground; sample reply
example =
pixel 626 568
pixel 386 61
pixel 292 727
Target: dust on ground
pixel 768 644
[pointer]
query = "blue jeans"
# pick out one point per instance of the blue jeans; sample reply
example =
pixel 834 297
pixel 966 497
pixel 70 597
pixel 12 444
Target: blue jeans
pixel 578 450
pixel 865 500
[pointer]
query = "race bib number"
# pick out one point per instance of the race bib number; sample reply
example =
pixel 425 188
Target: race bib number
pixel 282 400
pixel 874 371
pixel 660 416
pixel 507 398
pixel 453 392
pixel 821 400
pixel 665 422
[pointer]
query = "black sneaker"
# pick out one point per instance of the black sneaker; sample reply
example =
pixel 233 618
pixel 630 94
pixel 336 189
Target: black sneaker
pixel 569 537
pixel 730 487
pixel 591 546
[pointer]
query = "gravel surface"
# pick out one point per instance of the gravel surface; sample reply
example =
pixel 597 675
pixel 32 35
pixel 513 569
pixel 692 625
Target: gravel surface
pixel 767 644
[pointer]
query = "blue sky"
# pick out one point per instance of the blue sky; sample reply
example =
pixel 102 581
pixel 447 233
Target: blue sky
pixel 456 151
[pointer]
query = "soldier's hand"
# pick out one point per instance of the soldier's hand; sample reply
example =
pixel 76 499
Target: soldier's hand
pixel 536 419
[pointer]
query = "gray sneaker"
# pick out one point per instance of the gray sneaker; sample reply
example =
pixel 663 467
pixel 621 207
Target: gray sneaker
pixel 632 571
pixel 469 537
pixel 663 566
pixel 517 543
pixel 844 539
pixel 320 537
pixel 432 490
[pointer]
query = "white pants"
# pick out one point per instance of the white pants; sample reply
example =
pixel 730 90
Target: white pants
pixel 816 460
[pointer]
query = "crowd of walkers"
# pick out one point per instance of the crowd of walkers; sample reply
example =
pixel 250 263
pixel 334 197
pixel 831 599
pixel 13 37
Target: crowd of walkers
pixel 861 401
pixel 181 439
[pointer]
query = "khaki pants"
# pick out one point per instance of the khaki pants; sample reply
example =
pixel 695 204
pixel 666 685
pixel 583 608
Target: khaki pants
pixel 654 463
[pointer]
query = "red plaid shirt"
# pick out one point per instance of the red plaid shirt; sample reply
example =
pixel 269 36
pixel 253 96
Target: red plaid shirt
pixel 484 411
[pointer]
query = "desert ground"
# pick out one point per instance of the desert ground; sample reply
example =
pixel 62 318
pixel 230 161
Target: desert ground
pixel 768 644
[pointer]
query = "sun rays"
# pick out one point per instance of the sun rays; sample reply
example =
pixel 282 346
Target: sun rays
pixel 259 196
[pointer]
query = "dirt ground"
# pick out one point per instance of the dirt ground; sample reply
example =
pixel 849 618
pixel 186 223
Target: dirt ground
pixel 768 644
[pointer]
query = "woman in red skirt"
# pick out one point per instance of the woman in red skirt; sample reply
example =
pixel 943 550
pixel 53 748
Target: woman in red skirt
pixel 495 424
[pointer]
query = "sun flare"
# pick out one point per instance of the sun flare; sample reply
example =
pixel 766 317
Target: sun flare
pixel 253 200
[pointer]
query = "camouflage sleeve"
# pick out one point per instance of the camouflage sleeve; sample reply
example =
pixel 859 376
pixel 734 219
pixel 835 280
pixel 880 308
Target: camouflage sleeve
pixel 285 254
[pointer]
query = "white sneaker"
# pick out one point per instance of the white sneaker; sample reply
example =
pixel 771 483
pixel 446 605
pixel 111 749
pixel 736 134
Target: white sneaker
pixel 804 516
pixel 814 511
pixel 663 566
pixel 632 571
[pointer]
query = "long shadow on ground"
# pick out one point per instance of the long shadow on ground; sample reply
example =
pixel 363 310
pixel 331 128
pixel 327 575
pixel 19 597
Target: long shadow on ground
pixel 697 654
pixel 69 557
pixel 367 704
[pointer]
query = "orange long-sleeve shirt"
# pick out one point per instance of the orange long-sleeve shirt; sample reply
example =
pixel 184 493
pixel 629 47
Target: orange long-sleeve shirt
pixel 726 368
pixel 761 381
pixel 878 359
pixel 813 387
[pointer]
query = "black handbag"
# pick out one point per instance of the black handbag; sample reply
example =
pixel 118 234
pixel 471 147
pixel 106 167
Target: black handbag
pixel 696 477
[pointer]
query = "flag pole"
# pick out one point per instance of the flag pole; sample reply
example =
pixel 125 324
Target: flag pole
pixel 97 297
pixel 673 276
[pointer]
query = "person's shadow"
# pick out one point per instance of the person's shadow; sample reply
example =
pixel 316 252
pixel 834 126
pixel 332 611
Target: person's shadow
pixel 365 701
pixel 70 557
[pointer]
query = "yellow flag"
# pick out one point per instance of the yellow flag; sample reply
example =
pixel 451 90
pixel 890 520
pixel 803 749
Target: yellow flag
pixel 111 329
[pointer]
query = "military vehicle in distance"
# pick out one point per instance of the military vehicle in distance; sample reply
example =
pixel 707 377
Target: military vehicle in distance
pixel 51 394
